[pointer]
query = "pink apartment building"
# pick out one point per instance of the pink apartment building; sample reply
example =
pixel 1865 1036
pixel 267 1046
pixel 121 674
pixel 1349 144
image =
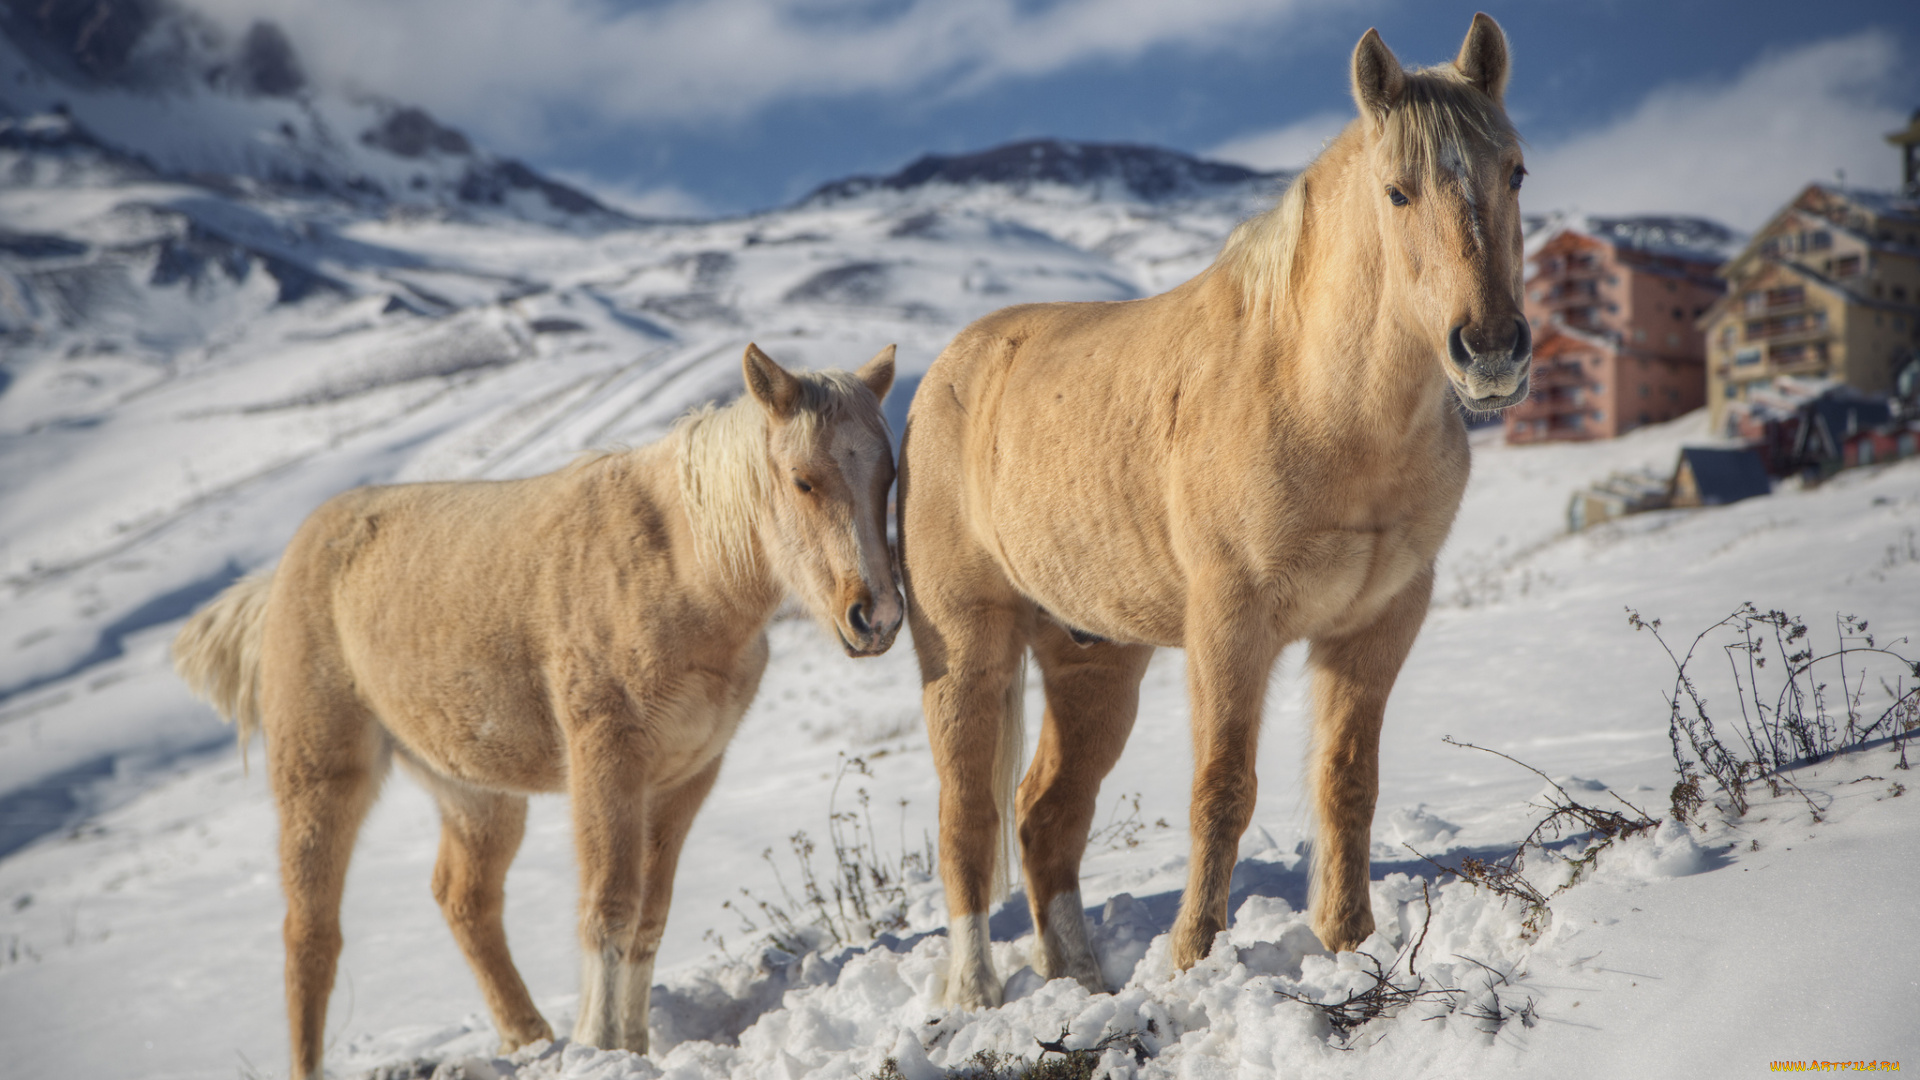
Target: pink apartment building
pixel 1612 308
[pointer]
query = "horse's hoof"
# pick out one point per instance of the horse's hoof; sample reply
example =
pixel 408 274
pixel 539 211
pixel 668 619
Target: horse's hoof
pixel 1345 935
pixel 1190 946
pixel 972 990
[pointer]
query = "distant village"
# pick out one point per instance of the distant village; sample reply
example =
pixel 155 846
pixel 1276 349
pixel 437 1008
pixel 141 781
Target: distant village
pixel 1802 341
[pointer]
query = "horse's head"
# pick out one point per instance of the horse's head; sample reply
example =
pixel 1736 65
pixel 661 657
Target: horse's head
pixel 1445 168
pixel 832 464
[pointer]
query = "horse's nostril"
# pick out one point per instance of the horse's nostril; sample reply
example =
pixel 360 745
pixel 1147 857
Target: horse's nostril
pixel 857 618
pixel 1457 349
pixel 1523 341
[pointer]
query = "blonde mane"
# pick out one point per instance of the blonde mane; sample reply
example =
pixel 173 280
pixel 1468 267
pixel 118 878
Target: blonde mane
pixel 726 475
pixel 1439 119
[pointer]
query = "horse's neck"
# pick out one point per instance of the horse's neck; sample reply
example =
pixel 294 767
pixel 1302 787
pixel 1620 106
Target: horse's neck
pixel 1345 346
pixel 745 583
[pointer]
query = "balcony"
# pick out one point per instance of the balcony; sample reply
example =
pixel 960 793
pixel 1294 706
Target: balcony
pixel 1797 326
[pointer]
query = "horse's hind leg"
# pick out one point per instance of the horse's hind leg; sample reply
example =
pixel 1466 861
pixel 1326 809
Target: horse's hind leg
pixel 327 765
pixel 480 832
pixel 1093 693
pixel 1352 676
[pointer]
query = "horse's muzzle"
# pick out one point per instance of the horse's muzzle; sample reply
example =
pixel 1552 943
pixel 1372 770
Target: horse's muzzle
pixel 1496 378
pixel 866 629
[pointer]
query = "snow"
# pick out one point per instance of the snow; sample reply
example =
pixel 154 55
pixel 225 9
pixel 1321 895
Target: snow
pixel 160 435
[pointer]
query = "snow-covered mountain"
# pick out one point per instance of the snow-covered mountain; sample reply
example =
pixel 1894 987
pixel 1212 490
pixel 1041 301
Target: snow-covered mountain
pixel 209 325
pixel 184 346
pixel 165 88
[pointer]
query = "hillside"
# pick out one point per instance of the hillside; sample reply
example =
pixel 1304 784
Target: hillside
pixel 193 362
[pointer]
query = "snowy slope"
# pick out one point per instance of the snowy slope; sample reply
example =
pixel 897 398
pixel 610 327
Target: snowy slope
pixel 190 368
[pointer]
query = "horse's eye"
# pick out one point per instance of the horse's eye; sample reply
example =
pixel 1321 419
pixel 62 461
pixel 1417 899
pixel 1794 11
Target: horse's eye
pixel 1519 174
pixel 1393 195
pixel 802 484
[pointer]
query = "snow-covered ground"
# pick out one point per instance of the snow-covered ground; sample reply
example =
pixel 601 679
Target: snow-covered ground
pixel 190 372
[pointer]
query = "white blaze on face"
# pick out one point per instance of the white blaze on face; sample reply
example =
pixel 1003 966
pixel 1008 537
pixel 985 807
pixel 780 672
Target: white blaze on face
pixel 859 453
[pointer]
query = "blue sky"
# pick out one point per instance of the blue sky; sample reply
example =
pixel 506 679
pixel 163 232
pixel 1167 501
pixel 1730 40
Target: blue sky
pixel 731 105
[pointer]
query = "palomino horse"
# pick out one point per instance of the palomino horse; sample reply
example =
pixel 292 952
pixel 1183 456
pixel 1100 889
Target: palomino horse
pixel 598 630
pixel 1267 453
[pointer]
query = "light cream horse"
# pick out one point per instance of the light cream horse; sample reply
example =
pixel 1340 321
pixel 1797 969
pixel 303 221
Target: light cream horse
pixel 598 630
pixel 1270 452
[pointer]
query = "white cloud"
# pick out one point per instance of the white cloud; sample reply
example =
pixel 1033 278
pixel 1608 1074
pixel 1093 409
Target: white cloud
pixel 506 68
pixel 1289 147
pixel 1736 151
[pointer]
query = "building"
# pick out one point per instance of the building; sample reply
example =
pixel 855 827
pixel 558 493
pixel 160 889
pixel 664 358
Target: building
pixel 1908 141
pixel 1828 289
pixel 1614 309
pixel 1706 476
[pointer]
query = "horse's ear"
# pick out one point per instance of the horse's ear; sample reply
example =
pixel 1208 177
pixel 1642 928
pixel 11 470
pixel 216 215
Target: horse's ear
pixel 769 383
pixel 877 373
pixel 1377 78
pixel 1483 56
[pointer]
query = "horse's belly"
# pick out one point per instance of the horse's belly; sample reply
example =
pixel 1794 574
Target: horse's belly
pixel 505 740
pixel 1107 574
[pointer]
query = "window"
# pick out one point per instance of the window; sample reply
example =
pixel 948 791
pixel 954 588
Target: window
pixel 1786 295
pixel 1756 328
pixel 1820 241
pixel 1755 301
pixel 1846 267
pixel 1679 313
pixel 1747 356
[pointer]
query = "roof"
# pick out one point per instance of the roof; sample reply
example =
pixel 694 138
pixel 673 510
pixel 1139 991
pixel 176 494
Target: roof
pixel 1690 239
pixel 1883 204
pixel 1725 476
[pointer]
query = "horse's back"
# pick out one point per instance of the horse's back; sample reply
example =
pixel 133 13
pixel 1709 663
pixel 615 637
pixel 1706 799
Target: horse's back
pixel 426 605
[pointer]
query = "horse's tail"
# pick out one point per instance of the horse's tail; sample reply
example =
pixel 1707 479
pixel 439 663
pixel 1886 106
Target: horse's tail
pixel 218 652
pixel 1009 749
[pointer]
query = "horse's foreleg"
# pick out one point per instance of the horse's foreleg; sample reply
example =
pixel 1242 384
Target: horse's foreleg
pixel 1093 693
pixel 326 771
pixel 606 780
pixel 668 820
pixel 480 832
pixel 966 699
pixel 1228 664
pixel 1352 676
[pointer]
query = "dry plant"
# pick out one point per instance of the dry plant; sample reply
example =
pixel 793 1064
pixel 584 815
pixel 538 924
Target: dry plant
pixel 1123 831
pixel 1567 818
pixel 1390 991
pixel 1070 1064
pixel 1789 714
pixel 863 894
